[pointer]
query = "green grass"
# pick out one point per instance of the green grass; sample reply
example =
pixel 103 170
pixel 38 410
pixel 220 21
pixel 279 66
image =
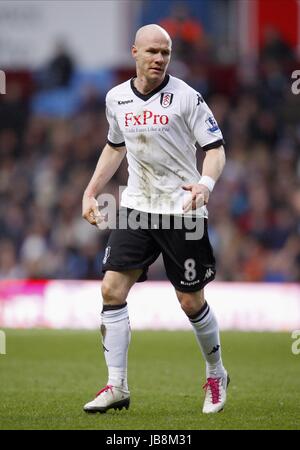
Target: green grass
pixel 46 377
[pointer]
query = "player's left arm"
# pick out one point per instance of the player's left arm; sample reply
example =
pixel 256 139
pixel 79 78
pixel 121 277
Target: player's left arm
pixel 212 168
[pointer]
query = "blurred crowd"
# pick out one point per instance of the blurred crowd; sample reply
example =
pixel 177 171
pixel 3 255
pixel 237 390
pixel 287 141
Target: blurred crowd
pixel 47 161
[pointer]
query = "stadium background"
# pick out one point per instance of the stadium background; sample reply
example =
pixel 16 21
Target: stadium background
pixel 60 58
pixel 53 127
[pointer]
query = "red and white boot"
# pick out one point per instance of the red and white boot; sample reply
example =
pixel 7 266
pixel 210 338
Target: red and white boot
pixel 110 397
pixel 215 394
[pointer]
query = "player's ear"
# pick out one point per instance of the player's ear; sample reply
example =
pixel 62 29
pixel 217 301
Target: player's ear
pixel 134 51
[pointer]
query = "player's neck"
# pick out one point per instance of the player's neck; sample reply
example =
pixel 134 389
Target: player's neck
pixel 145 86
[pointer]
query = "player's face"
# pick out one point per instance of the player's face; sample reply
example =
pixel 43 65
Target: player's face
pixel 152 59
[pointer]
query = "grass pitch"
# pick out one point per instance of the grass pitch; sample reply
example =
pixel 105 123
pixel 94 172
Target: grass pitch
pixel 47 376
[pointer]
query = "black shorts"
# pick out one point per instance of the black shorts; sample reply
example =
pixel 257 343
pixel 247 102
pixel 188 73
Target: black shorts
pixel 184 244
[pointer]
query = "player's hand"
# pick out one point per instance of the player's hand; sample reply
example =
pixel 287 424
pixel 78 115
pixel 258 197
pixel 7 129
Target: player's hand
pixel 199 196
pixel 90 210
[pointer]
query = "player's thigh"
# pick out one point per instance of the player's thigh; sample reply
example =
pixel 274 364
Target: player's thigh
pixel 130 249
pixel 189 263
pixel 116 285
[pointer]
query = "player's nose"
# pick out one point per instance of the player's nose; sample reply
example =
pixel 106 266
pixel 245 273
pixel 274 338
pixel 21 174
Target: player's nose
pixel 159 59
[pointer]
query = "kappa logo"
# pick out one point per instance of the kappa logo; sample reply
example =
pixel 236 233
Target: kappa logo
pixel 214 350
pixel 199 99
pixel 124 102
pixel 209 273
pixel 166 99
pixel 103 332
pixel 106 254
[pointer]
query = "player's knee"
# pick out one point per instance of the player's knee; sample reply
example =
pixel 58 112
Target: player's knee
pixel 111 294
pixel 191 303
pixel 188 307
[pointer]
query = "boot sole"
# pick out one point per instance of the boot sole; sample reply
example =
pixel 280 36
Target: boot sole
pixel 116 406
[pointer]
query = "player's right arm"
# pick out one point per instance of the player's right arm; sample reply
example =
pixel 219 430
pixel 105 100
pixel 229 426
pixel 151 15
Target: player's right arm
pixel 108 163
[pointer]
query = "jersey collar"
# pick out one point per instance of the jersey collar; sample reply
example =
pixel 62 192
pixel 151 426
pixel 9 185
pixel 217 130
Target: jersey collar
pixel 146 97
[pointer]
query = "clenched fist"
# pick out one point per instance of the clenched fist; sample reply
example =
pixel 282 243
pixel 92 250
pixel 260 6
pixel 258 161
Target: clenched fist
pixel 90 210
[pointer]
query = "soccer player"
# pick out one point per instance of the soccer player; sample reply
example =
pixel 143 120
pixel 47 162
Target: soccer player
pixel 155 119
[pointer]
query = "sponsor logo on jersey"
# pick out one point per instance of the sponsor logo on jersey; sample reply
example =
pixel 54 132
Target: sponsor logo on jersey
pixel 146 118
pixel 166 99
pixel 212 124
pixel 124 102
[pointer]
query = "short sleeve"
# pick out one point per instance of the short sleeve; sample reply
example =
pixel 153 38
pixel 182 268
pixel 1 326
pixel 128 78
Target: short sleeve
pixel 115 136
pixel 201 122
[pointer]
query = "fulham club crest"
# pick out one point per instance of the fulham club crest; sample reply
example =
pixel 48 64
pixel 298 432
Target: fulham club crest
pixel 166 99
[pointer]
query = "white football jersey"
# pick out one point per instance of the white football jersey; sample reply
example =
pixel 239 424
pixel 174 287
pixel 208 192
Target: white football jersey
pixel 160 130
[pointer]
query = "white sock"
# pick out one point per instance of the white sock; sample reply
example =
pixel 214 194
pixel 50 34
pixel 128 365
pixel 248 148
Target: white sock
pixel 115 330
pixel 207 333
